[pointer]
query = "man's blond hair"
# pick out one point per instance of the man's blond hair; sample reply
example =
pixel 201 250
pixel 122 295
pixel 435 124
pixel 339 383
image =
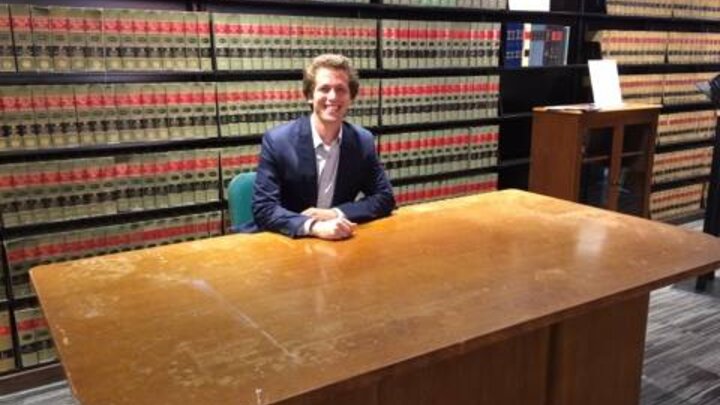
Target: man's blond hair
pixel 330 61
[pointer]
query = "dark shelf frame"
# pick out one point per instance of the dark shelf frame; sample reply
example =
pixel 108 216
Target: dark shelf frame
pixel 666 185
pixel 683 146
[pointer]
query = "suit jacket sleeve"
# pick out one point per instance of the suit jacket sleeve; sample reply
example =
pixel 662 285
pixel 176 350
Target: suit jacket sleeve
pixel 377 200
pixel 267 209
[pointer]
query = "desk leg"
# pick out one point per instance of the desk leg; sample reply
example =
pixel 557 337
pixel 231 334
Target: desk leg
pixel 596 358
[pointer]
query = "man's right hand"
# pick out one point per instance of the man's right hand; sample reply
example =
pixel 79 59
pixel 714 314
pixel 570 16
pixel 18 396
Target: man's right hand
pixel 333 229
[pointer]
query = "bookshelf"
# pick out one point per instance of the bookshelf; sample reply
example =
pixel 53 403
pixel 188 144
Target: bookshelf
pixel 480 147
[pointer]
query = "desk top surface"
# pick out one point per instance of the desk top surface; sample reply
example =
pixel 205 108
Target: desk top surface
pixel 261 318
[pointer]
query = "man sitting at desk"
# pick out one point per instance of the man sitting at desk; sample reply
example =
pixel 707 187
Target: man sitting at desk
pixel 312 169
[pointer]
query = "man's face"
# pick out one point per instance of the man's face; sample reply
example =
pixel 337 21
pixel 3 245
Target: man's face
pixel 331 97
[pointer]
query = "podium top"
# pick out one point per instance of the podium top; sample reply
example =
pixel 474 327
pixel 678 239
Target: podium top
pixel 589 107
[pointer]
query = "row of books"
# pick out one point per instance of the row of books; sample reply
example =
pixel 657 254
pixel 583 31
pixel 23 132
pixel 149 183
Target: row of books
pixel 261 42
pixel 36 346
pixel 677 202
pixel 443 189
pixel 482 4
pixel 436 99
pixel 657 47
pixel 703 9
pixel 533 44
pixel 62 116
pixel 7 355
pixel 441 151
pixel 50 191
pixel 26 252
pixel 686 127
pixel 251 108
pixel 56 116
pixel 37 38
pixel 434 44
pixel 62 39
pixel 666 89
pixel 682 164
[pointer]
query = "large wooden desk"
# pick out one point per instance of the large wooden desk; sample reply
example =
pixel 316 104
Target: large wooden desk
pixel 503 298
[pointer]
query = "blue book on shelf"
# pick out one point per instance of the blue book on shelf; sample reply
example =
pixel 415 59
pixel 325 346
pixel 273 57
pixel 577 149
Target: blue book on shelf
pixel 513 44
pixel 538 33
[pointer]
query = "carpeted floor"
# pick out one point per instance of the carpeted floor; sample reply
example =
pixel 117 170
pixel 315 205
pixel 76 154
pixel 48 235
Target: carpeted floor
pixel 682 353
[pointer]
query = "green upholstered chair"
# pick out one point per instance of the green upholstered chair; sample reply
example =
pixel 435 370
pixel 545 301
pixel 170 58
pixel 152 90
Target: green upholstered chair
pixel 240 191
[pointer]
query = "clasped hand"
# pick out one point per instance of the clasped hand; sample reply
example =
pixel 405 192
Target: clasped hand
pixel 329 225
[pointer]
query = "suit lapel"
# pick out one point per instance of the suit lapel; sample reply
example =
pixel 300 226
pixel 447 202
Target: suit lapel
pixel 348 153
pixel 306 157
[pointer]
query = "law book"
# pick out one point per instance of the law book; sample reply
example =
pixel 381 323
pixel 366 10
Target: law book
pixel 42 38
pixel 155 35
pixel 104 100
pixel 197 106
pixel 189 176
pixel 25 327
pixel 223 89
pixel 212 173
pixel 177 51
pixel 141 40
pixel 154 38
pixel 7 359
pixel 148 119
pixel 128 49
pixel 390 43
pixel 84 114
pixel 13 125
pixel 7 56
pixel 174 178
pixel 192 49
pixel 137 131
pixel 175 121
pixel 112 39
pixel 61 39
pixel 76 38
pixel 94 49
pixel 238 113
pixel 255 25
pixel 228 36
pixel 186 98
pixel 22 37
pixel 167 51
pixel 204 40
pixel 123 111
pixel 137 182
pixel 6 192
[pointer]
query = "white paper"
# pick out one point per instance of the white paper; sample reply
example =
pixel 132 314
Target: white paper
pixel 529 5
pixel 605 83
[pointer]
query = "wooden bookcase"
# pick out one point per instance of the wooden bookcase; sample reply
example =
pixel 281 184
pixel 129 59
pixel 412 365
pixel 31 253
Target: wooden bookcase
pixel 601 158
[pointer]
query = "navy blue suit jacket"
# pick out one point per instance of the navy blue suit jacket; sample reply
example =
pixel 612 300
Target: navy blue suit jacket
pixel 286 182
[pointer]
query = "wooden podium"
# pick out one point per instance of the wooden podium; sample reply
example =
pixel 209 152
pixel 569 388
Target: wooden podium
pixel 504 298
pixel 596 157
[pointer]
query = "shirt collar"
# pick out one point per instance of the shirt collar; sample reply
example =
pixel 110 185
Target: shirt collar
pixel 317 141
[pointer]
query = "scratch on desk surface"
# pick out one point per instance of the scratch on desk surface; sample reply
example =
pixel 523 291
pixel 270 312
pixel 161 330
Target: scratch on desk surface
pixel 204 287
pixel 258 395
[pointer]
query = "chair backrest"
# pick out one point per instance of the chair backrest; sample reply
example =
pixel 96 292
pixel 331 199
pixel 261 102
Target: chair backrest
pixel 240 191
